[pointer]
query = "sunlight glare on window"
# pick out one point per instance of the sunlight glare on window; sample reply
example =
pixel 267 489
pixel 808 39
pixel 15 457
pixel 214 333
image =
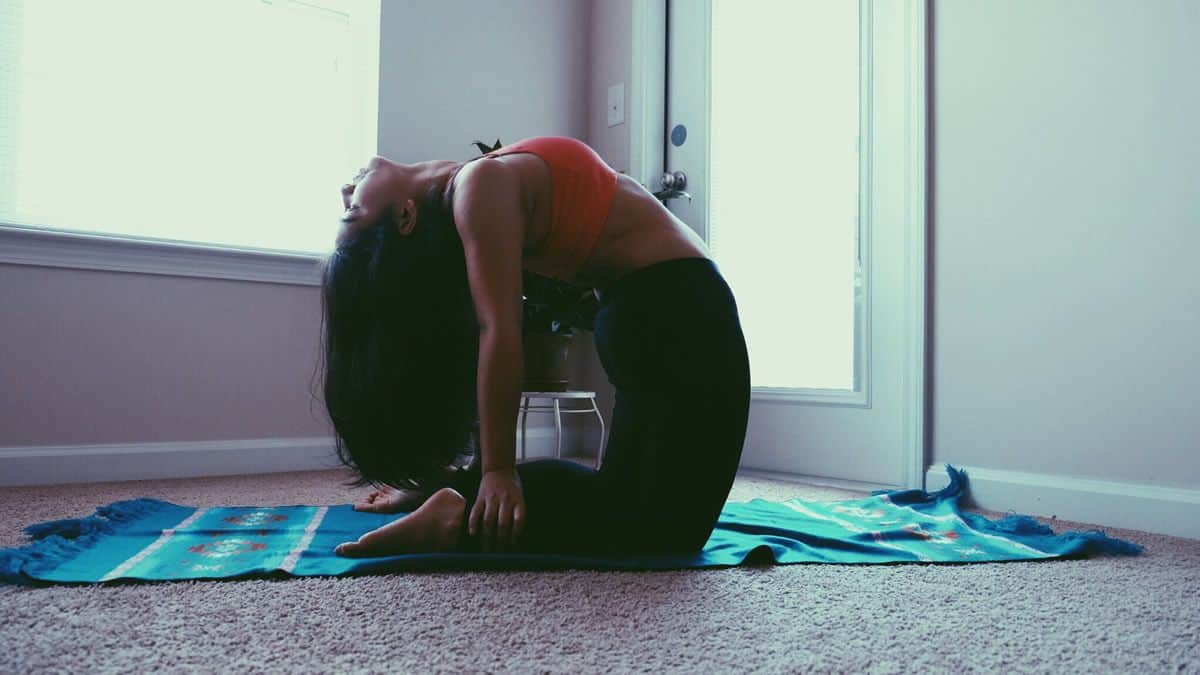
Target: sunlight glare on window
pixel 783 198
pixel 228 122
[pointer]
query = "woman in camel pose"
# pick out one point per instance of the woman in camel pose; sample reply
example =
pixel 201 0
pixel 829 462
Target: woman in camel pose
pixel 422 327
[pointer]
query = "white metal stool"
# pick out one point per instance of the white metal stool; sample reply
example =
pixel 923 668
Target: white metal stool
pixel 556 397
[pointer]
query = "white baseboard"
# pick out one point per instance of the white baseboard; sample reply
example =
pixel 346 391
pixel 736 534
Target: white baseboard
pixel 1163 510
pixel 43 465
pixel 51 465
pixel 816 481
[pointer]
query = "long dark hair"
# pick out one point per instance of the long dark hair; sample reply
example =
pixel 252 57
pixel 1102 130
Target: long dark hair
pixel 401 348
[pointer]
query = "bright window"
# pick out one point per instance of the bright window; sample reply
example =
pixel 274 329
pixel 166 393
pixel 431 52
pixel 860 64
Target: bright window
pixel 784 188
pixel 227 122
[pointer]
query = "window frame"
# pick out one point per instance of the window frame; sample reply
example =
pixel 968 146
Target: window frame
pixel 45 247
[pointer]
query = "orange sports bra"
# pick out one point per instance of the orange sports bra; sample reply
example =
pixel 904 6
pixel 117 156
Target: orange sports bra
pixel 582 191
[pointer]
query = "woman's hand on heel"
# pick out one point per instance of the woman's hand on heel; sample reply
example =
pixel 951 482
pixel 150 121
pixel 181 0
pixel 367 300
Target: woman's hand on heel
pixel 499 512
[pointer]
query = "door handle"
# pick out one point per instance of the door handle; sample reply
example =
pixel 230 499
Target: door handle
pixel 673 187
pixel 674 181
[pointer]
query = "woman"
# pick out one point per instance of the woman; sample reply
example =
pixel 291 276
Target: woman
pixel 422 303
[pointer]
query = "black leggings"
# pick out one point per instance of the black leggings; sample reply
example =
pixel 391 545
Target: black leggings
pixel 671 343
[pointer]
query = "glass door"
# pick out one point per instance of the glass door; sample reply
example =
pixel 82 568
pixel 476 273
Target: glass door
pixel 789 126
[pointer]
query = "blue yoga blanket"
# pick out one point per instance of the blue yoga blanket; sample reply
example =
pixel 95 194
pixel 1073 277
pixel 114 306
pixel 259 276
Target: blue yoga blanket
pixel 148 539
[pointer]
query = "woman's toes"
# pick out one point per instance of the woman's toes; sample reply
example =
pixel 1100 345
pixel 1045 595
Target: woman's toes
pixel 363 548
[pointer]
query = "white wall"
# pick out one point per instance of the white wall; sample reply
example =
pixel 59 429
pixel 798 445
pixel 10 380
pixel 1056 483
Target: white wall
pixel 454 71
pixel 1066 216
pixel 1067 224
pixel 610 33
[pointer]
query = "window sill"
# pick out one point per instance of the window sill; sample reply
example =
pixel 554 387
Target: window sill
pixel 22 245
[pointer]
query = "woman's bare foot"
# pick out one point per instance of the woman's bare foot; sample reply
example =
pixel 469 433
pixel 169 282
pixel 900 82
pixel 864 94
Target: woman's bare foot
pixel 391 500
pixel 436 526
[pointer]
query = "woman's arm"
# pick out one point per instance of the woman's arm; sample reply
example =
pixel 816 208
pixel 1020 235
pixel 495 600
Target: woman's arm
pixel 499 390
pixel 491 223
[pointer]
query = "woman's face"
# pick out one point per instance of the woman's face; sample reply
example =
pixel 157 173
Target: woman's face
pixel 384 189
pixel 368 191
pixel 348 188
pixel 369 195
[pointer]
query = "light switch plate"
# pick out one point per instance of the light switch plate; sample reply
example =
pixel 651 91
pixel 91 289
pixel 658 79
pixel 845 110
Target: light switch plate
pixel 616 104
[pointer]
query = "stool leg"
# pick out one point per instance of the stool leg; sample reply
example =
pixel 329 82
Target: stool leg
pixel 600 450
pixel 557 431
pixel 524 418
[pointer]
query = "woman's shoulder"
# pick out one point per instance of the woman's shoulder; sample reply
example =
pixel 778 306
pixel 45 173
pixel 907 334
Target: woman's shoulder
pixel 513 188
pixel 486 190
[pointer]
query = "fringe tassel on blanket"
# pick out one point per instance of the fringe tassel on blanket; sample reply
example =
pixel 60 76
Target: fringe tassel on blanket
pixel 1090 542
pixel 952 492
pixel 56 541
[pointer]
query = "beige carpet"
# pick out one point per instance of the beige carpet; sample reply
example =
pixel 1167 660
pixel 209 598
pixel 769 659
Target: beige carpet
pixel 1121 615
